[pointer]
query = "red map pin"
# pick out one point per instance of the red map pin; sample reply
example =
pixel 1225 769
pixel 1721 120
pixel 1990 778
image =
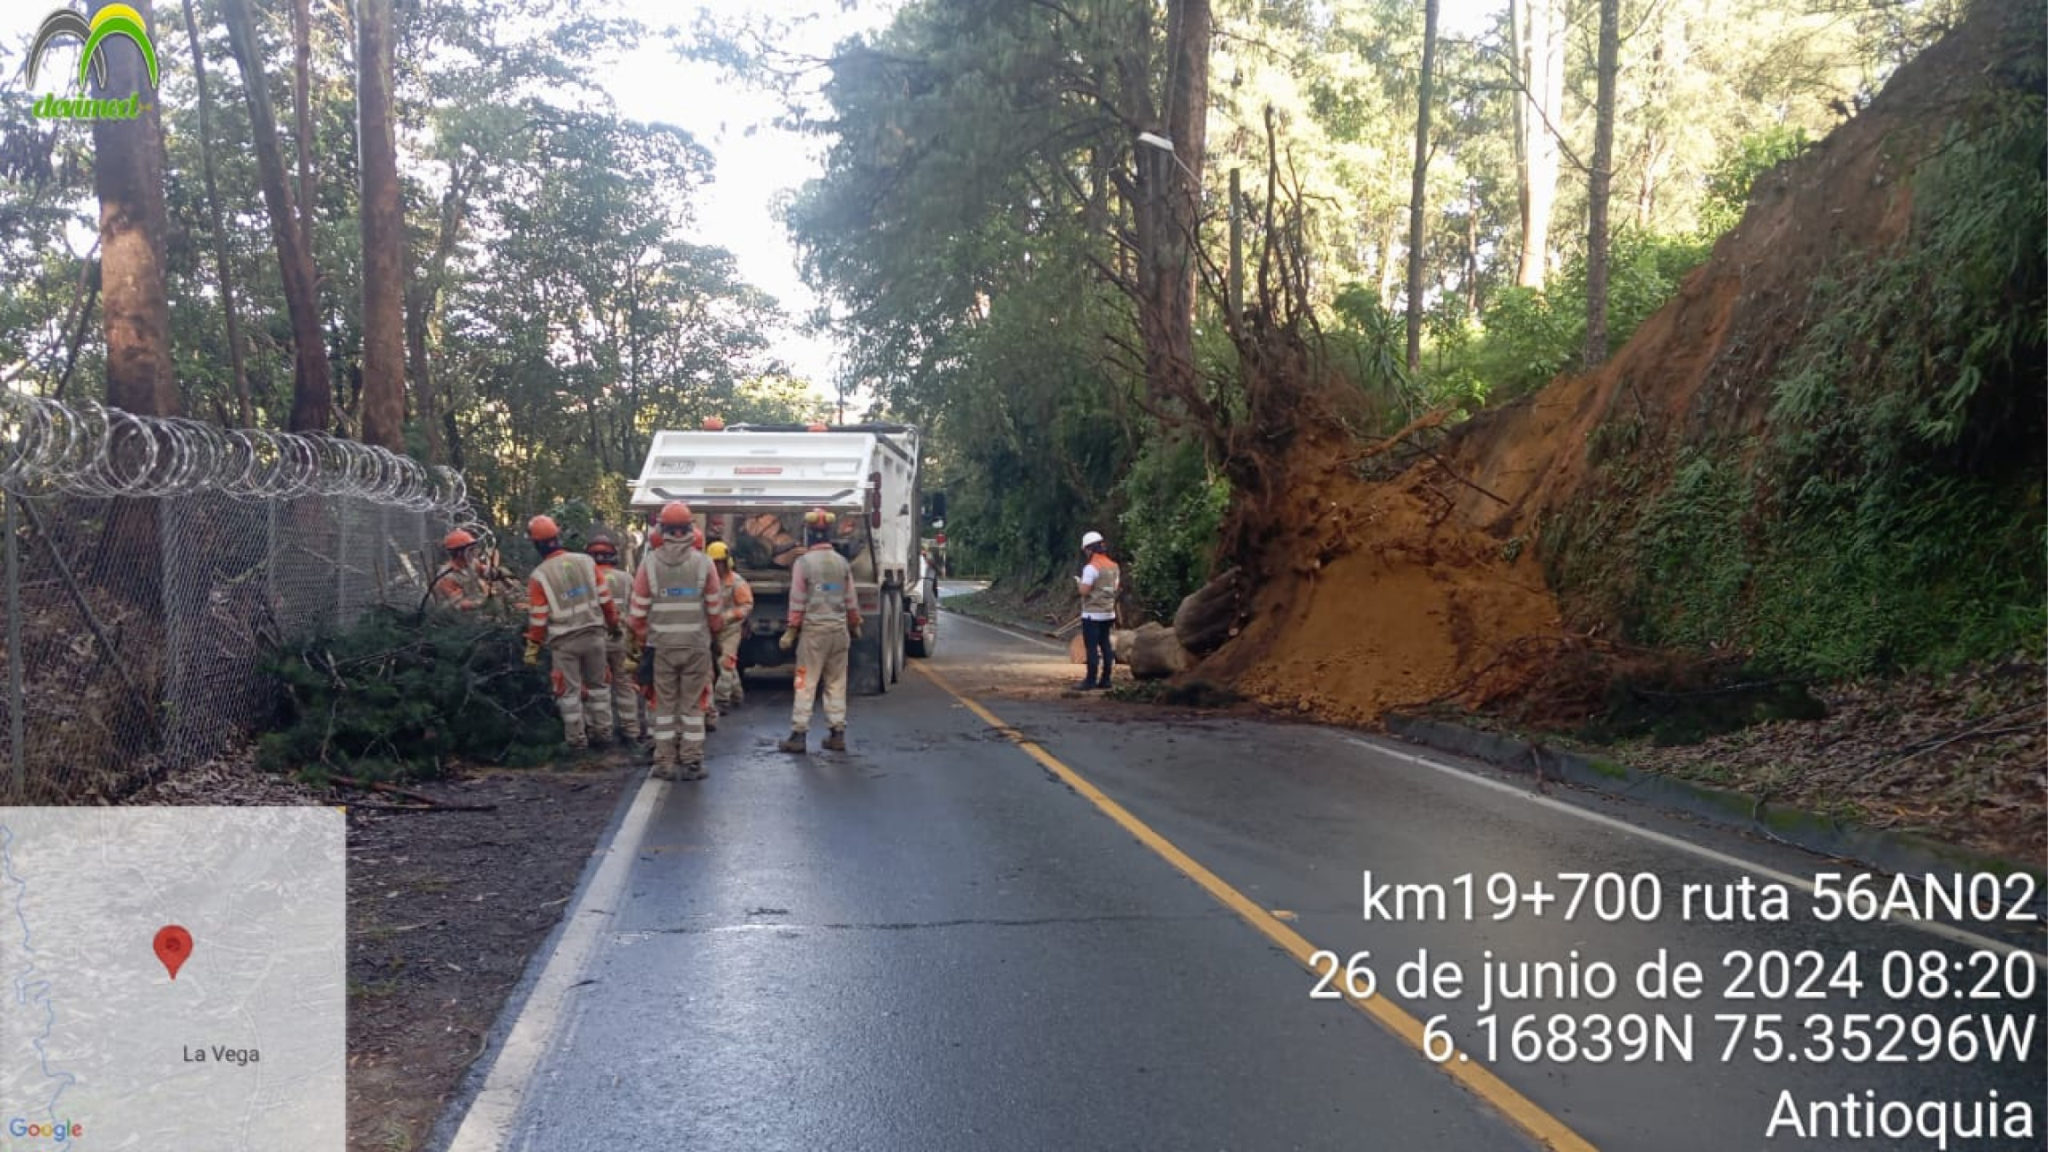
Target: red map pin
pixel 173 947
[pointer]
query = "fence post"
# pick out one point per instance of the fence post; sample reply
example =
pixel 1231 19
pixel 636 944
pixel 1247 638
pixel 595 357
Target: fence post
pixel 276 606
pixel 15 727
pixel 340 562
pixel 383 553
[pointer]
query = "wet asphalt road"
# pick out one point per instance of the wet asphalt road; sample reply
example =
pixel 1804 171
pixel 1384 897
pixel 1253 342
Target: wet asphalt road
pixel 932 942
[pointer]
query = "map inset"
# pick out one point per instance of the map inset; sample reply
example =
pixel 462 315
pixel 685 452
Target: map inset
pixel 173 978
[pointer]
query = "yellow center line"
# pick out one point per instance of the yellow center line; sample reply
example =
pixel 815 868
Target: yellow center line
pixel 1517 1108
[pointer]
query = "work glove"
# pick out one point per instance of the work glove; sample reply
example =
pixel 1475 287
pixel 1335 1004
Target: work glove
pixel 614 631
pixel 788 640
pixel 644 674
pixel 532 653
pixel 853 628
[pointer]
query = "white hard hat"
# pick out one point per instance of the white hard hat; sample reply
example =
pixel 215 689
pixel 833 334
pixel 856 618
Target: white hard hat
pixel 1091 538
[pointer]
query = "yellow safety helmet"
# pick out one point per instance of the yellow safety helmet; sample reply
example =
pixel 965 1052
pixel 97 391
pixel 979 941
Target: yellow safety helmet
pixel 717 551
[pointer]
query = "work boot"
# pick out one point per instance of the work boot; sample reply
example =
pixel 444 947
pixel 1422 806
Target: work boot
pixel 798 742
pixel 694 771
pixel 1085 686
pixel 835 741
pixel 664 772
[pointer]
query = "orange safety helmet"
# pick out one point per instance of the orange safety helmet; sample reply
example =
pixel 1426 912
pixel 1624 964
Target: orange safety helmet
pixel 601 542
pixel 543 528
pixel 675 514
pixel 457 540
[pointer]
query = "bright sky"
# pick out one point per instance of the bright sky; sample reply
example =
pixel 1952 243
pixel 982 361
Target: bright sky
pixel 758 164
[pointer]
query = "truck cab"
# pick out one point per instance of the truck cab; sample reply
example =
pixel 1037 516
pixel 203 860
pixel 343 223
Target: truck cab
pixel 750 485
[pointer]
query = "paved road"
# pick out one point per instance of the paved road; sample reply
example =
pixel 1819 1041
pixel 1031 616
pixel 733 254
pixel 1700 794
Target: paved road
pixel 943 940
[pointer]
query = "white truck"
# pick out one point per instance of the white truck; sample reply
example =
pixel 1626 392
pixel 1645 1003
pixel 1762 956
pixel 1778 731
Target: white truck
pixel 750 485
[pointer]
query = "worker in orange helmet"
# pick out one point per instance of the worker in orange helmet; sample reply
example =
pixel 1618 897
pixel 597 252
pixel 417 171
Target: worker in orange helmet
pixel 673 596
pixel 570 609
pixel 735 605
pixel 824 620
pixel 459 585
pixel 622 650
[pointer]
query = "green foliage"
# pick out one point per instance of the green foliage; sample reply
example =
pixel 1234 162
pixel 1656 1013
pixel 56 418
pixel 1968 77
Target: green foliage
pixel 1893 515
pixel 1173 510
pixel 1911 416
pixel 1528 337
pixel 1690 548
pixel 1729 183
pixel 399 695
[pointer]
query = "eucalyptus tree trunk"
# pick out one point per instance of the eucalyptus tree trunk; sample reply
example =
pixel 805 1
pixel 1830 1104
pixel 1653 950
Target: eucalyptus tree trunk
pixel 312 390
pixel 1602 179
pixel 1418 189
pixel 245 409
pixel 383 230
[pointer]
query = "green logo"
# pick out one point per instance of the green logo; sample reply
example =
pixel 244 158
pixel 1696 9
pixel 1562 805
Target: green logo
pixel 109 22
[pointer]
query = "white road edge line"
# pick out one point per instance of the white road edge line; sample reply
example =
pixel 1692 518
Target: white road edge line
pixel 487 1126
pixel 1002 631
pixel 1934 928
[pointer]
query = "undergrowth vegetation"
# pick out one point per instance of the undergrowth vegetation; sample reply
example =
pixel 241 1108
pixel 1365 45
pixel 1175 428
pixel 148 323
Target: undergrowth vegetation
pixel 399 696
pixel 1891 516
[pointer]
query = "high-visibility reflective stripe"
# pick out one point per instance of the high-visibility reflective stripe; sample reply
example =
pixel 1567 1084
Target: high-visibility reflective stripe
pixel 676 598
pixel 569 583
pixel 828 586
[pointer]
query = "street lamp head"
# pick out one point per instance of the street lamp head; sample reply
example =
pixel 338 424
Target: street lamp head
pixel 1159 142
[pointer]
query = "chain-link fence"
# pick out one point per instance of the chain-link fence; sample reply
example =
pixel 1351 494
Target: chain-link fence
pixel 149 564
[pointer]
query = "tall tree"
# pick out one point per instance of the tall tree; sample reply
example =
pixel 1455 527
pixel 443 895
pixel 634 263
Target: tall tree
pixel 383 229
pixel 1419 189
pixel 1600 184
pixel 302 117
pixel 312 391
pixel 128 174
pixel 1168 238
pixel 245 410
pixel 1539 115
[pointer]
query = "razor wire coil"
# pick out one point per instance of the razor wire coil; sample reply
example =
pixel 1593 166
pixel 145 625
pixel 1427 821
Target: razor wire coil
pixel 88 449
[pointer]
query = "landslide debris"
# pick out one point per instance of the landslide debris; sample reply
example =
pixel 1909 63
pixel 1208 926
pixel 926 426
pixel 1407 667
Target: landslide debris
pixel 1823 456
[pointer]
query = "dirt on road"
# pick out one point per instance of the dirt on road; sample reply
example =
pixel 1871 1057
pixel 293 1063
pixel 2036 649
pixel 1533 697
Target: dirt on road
pixel 445 907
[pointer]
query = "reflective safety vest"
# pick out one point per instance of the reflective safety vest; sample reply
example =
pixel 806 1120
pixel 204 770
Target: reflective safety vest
pixel 1101 597
pixel 675 608
pixel 570 582
pixel 622 595
pixel 826 593
pixel 735 598
pixel 459 584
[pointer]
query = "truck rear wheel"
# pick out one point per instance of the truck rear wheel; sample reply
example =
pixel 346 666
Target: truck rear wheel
pixel 867 661
pixel 897 625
